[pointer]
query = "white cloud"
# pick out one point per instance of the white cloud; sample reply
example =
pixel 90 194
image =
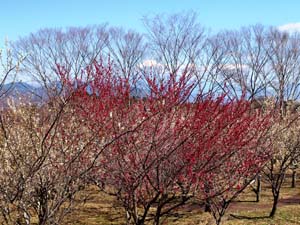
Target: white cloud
pixel 150 63
pixel 231 67
pixel 290 27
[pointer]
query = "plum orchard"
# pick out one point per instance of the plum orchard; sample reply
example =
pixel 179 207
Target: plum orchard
pixel 157 152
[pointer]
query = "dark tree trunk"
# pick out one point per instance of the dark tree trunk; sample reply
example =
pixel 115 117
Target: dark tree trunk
pixel 294 174
pixel 43 208
pixel 220 217
pixel 275 203
pixel 207 201
pixel 207 206
pixel 258 188
pixel 157 215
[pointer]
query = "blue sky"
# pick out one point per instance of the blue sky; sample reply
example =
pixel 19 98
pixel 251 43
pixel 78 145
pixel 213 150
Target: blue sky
pixel 20 17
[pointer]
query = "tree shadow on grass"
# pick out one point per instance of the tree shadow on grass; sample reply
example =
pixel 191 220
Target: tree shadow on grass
pixel 249 217
pixel 245 201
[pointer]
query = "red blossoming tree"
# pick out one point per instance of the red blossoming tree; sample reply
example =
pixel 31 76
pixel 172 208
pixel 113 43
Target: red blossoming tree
pixel 157 152
pixel 229 148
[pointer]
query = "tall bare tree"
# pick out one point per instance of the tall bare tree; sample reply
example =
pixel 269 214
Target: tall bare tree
pixel 73 48
pixel 283 52
pixel 245 71
pixel 127 49
pixel 174 40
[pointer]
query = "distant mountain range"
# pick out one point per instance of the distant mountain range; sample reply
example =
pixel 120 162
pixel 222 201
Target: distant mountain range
pixel 36 93
pixel 18 91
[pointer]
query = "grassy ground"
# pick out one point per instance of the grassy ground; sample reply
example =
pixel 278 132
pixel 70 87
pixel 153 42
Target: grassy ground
pixel 104 210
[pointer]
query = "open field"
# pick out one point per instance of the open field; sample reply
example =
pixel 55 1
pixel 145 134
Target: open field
pixel 101 209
